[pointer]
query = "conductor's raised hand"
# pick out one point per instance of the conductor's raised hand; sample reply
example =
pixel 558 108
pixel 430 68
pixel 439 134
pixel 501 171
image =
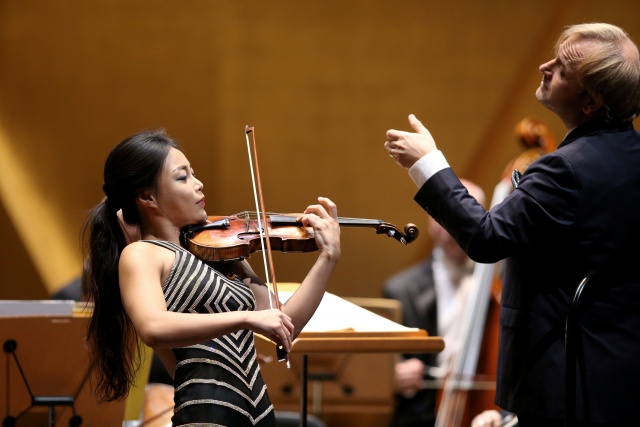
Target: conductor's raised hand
pixel 323 218
pixel 408 147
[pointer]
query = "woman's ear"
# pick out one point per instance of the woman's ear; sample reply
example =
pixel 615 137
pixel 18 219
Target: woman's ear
pixel 146 198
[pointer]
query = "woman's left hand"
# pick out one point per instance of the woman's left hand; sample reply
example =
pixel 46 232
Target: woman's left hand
pixel 323 218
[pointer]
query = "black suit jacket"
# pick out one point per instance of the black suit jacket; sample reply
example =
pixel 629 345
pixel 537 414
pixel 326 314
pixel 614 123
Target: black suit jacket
pixel 575 210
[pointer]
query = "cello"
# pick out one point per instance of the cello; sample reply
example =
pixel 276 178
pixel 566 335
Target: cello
pixel 468 387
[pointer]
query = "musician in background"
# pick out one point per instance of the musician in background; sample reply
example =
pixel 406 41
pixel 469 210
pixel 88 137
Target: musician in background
pixel 433 295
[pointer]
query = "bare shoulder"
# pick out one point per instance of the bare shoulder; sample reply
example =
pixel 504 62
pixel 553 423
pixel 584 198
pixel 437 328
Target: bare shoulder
pixel 137 255
pixel 140 249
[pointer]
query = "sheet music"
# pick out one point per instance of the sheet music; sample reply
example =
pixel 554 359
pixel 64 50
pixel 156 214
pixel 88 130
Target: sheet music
pixel 337 314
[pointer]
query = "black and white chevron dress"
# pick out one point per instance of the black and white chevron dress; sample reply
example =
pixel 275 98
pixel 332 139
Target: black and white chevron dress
pixel 217 382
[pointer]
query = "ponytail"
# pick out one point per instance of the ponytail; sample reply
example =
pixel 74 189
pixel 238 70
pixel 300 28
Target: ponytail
pixel 114 348
pixel 131 167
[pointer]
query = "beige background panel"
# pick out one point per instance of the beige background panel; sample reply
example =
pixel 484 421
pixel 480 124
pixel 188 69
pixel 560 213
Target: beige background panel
pixel 321 82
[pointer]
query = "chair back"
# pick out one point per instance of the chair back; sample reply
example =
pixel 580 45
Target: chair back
pixel 606 298
pixel 572 341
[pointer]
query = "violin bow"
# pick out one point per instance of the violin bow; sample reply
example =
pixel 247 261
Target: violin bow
pixel 267 255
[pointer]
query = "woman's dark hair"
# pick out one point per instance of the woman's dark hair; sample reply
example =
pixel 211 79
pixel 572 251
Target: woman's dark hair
pixel 132 167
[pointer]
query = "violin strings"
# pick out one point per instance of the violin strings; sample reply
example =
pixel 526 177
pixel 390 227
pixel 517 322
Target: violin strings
pixel 253 215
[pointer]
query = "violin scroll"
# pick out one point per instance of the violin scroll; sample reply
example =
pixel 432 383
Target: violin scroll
pixel 410 232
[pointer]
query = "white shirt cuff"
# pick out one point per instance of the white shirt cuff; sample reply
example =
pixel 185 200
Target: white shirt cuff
pixel 427 166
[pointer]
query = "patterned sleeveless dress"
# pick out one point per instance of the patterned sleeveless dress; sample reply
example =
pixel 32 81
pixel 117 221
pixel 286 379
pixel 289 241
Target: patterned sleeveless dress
pixel 217 382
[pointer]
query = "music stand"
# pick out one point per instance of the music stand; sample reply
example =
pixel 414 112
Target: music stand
pixel 340 327
pixel 45 369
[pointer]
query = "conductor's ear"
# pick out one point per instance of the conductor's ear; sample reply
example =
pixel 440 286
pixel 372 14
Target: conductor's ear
pixel 593 104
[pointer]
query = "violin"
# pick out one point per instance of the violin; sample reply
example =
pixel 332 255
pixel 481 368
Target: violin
pixel 235 237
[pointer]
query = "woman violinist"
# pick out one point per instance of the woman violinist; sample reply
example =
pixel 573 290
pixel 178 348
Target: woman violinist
pixel 197 319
